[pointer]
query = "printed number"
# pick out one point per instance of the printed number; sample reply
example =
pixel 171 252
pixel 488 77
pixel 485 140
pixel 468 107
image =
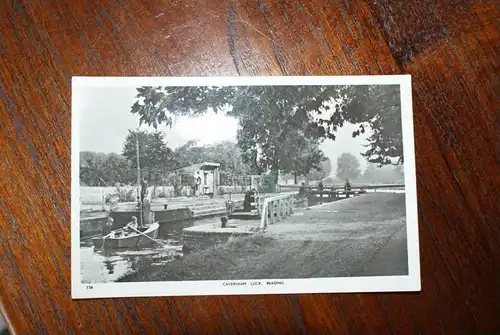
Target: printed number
pixel 89 287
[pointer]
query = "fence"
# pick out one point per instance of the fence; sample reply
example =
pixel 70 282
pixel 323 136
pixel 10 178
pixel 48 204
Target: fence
pixel 235 189
pixel 97 195
pixel 276 208
pixel 187 191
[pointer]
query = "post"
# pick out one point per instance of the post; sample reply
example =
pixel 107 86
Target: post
pixel 253 203
pixel 270 208
pixel 278 210
pixel 147 214
pixel 103 198
pixel 138 160
pixel 138 175
pixel 258 205
pixel 213 181
pixel 263 219
pixel 279 206
pixel 281 202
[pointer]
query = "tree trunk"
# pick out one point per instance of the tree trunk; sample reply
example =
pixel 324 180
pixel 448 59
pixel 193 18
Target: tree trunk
pixel 295 178
pixel 274 174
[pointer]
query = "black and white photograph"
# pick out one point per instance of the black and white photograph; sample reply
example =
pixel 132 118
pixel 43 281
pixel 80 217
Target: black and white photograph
pixel 243 185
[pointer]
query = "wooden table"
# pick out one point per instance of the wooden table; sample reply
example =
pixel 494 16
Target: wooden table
pixel 452 50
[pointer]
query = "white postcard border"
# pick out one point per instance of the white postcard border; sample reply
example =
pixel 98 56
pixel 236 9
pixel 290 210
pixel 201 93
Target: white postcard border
pixel 410 282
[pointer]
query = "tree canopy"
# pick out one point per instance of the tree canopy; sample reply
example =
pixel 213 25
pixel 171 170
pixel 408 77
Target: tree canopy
pixel 269 116
pixel 348 166
pixel 378 107
pixel 100 169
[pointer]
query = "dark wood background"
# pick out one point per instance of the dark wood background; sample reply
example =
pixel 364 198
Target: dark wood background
pixel 450 47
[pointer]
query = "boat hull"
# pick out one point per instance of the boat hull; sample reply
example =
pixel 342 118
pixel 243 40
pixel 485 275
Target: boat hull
pixel 131 241
pixel 91 226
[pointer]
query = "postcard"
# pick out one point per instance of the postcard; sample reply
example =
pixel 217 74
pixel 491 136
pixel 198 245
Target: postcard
pixel 243 185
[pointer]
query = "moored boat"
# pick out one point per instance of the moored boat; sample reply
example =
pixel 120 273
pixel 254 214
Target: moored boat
pixel 120 239
pixel 130 235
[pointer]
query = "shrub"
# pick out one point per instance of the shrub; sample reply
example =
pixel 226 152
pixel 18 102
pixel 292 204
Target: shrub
pixel 178 189
pixel 125 194
pixel 269 183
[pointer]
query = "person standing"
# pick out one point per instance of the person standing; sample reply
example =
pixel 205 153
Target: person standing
pixel 320 191
pixel 302 191
pixel 347 188
pixel 246 202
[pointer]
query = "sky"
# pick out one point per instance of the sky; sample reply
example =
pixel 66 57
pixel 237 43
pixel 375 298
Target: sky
pixel 106 119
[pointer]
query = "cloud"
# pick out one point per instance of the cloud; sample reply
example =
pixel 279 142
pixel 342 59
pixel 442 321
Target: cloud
pixel 207 129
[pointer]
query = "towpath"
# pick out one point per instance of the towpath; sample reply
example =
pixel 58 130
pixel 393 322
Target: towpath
pixel 368 232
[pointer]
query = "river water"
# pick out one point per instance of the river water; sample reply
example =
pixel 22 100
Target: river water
pixel 103 266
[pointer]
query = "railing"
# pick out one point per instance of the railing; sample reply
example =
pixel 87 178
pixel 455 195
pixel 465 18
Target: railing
pixel 354 190
pixel 334 188
pixel 255 204
pixel 275 208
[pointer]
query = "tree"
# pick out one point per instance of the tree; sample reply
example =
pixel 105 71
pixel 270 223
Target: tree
pixel 383 174
pixel 225 153
pixel 331 181
pixel 379 107
pixel 90 164
pixel 189 153
pixel 348 166
pixel 100 169
pixel 299 155
pixel 269 116
pixel 154 156
pixel 324 171
pixel 371 173
pixel 228 154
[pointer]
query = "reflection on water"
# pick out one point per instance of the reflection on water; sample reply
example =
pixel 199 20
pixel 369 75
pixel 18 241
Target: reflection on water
pixel 103 265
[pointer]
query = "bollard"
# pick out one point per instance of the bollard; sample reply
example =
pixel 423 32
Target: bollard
pixel 223 221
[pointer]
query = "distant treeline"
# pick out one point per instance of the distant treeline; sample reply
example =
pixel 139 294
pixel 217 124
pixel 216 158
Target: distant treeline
pixel 158 163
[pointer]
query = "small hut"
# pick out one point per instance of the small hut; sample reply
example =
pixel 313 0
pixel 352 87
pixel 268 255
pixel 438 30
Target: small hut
pixel 204 177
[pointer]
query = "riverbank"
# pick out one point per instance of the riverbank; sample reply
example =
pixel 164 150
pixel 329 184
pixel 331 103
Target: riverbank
pixel 356 237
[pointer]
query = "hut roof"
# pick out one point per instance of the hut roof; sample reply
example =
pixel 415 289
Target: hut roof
pixel 199 166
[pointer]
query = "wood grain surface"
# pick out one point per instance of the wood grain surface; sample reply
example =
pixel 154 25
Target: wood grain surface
pixel 450 47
